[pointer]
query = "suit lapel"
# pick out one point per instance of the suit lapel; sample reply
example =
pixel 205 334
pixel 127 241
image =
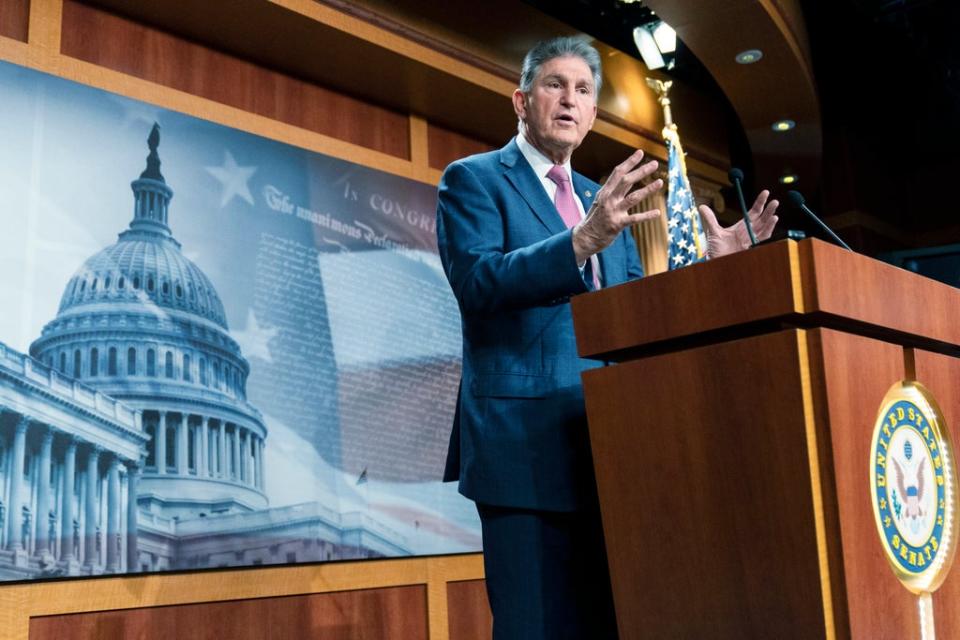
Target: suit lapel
pixel 528 186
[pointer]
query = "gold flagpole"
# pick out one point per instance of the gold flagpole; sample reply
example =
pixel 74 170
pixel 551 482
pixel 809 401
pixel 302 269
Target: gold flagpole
pixel 670 133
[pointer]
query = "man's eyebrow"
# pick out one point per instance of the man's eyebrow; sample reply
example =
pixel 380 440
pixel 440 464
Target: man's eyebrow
pixel 581 82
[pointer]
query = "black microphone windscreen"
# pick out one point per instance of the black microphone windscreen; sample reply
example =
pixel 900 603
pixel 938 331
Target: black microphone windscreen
pixel 735 175
pixel 795 198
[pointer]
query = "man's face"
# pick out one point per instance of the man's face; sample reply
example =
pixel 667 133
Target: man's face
pixel 560 107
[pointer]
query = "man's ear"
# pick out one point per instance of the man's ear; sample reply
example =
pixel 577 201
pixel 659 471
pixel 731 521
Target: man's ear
pixel 593 118
pixel 520 103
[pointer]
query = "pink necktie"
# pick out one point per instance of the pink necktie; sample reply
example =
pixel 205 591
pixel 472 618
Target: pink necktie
pixel 569 211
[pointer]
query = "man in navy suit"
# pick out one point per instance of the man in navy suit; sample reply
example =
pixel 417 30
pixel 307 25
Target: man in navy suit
pixel 519 233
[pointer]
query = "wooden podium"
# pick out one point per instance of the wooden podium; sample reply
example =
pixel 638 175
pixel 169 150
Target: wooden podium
pixel 731 440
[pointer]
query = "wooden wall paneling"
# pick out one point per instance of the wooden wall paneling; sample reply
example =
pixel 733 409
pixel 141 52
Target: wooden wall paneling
pixel 940 374
pixel 167 98
pixel 447 145
pixel 46 18
pixel 419 141
pixel 44 56
pixel 386 66
pixel 19 603
pixel 470 617
pixel 107 40
pixel 850 376
pixel 14 19
pixel 687 446
pixel 397 612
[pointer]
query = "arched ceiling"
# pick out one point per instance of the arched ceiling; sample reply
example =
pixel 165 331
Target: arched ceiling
pixel 780 85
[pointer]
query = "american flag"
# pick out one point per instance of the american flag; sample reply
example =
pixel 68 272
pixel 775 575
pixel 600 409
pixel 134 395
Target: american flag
pixel 686 241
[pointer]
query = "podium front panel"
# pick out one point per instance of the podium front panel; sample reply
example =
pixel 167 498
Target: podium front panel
pixel 706 491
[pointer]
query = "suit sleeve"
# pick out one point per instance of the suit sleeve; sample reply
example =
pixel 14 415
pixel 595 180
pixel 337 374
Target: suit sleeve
pixel 634 265
pixel 484 275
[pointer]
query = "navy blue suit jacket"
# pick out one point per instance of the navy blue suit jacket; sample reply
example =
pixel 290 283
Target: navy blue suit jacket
pixel 519 435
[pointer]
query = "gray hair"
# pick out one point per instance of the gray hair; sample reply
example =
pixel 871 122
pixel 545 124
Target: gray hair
pixel 547 50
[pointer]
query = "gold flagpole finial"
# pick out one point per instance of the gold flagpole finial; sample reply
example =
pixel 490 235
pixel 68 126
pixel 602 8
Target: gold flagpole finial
pixel 662 89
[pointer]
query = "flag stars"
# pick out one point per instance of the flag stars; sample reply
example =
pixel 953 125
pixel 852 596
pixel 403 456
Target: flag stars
pixel 683 220
pixel 233 180
pixel 254 340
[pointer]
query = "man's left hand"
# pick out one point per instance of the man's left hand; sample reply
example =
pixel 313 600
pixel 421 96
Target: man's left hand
pixel 722 241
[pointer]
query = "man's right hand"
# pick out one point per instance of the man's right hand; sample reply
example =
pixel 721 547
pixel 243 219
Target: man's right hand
pixel 610 213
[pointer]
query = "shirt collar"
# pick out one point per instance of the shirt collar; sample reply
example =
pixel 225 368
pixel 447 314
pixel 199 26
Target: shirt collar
pixel 540 163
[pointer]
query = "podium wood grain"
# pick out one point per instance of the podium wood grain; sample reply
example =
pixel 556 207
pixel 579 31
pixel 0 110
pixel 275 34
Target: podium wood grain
pixel 712 529
pixel 731 441
pixel 851 374
pixel 941 374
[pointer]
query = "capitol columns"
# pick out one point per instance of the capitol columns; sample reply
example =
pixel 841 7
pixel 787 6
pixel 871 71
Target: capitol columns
pixel 222 445
pixel 44 542
pixel 133 480
pixel 183 432
pixel 260 466
pixel 90 556
pixel 113 515
pixel 204 450
pixel 15 512
pixel 236 452
pixel 243 469
pixel 67 552
pixel 161 435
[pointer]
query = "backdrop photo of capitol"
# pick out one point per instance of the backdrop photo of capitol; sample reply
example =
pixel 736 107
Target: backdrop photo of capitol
pixel 247 355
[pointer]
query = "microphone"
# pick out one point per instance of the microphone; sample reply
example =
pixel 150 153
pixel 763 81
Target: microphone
pixel 736 177
pixel 796 198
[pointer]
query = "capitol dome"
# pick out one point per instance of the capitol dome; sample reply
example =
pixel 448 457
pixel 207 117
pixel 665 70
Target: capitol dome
pixel 140 267
pixel 141 322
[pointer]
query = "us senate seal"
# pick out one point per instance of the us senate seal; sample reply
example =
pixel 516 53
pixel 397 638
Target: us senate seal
pixel 913 486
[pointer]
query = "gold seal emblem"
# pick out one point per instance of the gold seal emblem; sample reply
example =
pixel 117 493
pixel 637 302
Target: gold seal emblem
pixel 913 487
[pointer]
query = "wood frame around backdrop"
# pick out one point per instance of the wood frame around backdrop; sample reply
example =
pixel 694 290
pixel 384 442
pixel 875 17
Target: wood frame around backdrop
pixel 20 602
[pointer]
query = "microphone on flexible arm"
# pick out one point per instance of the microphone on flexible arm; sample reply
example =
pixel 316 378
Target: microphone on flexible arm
pixel 736 177
pixel 796 198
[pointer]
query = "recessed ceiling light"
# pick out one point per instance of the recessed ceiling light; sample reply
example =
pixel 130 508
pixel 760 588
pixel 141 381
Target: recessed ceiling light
pixel 749 56
pixel 789 178
pixel 783 125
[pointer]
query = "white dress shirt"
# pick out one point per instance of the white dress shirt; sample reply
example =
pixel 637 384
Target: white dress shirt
pixel 541 165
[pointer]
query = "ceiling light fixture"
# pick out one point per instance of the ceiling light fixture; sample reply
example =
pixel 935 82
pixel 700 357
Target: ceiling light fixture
pixel 749 56
pixel 648 48
pixel 653 41
pixel 665 37
pixel 783 125
pixel 789 178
